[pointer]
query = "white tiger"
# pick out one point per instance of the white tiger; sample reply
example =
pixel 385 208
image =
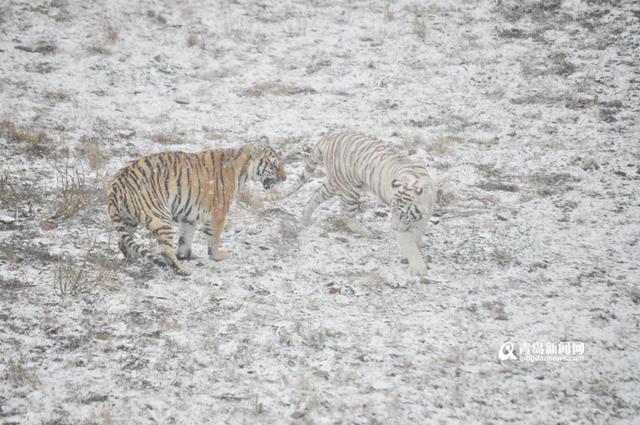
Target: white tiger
pixel 355 164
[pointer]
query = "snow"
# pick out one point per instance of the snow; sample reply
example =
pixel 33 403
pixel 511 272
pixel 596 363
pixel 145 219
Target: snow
pixel 526 114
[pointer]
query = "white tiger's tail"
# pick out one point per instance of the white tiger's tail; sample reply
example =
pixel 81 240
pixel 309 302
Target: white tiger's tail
pixel 309 167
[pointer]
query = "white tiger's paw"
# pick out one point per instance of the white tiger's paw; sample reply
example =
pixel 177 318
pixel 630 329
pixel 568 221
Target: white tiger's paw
pixel 418 269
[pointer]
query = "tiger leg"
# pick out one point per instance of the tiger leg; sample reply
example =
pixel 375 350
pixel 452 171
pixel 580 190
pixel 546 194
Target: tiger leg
pixel 163 232
pixel 322 194
pixel 350 201
pixel 187 231
pixel 214 231
pixel 409 249
pixel 418 234
pixel 127 230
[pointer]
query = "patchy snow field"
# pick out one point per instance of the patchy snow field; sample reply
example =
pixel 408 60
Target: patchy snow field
pixel 526 113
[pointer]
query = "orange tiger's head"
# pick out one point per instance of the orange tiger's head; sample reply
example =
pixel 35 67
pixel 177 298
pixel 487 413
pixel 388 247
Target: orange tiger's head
pixel 267 167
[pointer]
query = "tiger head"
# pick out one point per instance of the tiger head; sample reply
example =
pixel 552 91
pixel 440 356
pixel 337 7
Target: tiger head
pixel 267 167
pixel 408 200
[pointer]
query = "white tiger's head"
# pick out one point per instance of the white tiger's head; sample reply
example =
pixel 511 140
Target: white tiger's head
pixel 267 167
pixel 409 202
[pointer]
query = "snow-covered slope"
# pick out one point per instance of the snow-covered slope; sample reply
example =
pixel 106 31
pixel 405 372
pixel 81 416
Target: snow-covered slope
pixel 526 113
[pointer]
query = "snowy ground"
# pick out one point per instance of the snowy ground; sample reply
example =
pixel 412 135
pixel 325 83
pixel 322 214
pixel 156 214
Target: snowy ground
pixel 526 113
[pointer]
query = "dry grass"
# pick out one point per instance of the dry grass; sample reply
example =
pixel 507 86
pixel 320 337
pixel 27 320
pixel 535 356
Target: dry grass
pixel 215 134
pixel 73 277
pixel 195 40
pixel 554 64
pixel 550 184
pixel 496 185
pixel 419 27
pixel 542 10
pixel 17 375
pixel 418 24
pixel 156 17
pixel 217 74
pixel 42 47
pixel 99 49
pixel 69 279
pixel 34 142
pixel 104 45
pixel 502 257
pixel 439 145
pixel 12 197
pixel 489 171
pixel 111 33
pixel 317 65
pixel 56 96
pixel 276 88
pixel 91 149
pixel 62 13
pixel 72 194
pixel 388 13
pixel 167 137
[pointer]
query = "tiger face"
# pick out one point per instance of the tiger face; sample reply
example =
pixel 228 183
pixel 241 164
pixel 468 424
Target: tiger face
pixel 268 168
pixel 405 203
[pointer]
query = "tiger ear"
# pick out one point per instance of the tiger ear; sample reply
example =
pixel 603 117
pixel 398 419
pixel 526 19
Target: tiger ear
pixel 261 144
pixel 395 183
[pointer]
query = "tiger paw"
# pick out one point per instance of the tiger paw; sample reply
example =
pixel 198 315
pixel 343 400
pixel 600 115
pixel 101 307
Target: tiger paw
pixel 170 261
pixel 218 256
pixel 418 269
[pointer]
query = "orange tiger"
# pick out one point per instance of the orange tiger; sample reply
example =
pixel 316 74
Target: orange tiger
pixel 188 189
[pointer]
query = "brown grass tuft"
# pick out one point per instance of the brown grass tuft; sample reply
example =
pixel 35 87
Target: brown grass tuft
pixel 104 43
pixel 440 145
pixel 111 33
pixel 73 277
pixel 42 47
pixel 419 25
pixel 91 149
pixel 13 198
pixel 99 49
pixel 35 142
pixel 195 40
pixel 388 13
pixel 167 138
pixel 72 194
pixel 276 88
pixel 17 375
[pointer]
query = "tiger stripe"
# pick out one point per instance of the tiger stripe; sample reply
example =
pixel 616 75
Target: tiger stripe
pixel 177 187
pixel 356 163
